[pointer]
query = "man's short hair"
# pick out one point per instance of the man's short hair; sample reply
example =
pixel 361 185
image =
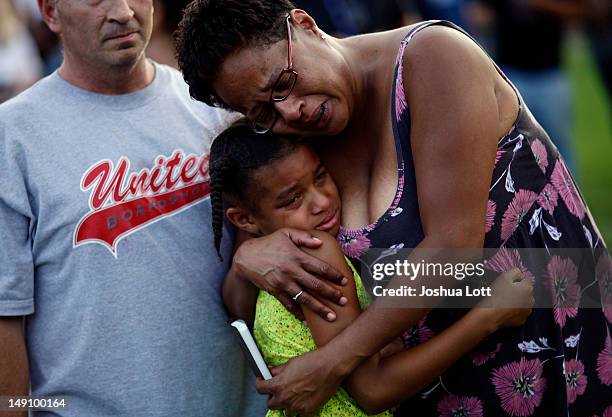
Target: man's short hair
pixel 211 30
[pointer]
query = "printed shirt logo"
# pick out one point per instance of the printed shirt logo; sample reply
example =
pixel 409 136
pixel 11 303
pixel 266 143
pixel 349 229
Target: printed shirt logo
pixel 123 203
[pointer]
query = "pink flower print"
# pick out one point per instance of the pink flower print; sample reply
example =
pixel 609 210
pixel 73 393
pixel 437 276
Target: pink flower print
pixel 490 219
pixel 400 98
pixel 603 271
pixel 505 259
pixel 564 184
pixel 548 198
pixel 400 187
pixel 575 379
pixel 498 156
pixel 540 154
pixel 604 363
pixel 419 333
pixel 353 243
pixel 481 358
pixel 454 406
pixel 519 385
pixel 607 412
pixel 516 211
pixel 562 282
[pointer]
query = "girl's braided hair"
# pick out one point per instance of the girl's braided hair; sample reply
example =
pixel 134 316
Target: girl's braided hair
pixel 235 155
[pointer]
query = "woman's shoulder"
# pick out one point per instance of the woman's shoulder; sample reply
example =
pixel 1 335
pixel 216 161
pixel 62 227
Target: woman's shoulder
pixel 391 39
pixel 446 69
pixel 435 51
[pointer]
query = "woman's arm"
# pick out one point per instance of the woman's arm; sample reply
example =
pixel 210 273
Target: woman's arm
pixel 276 256
pixel 455 98
pixel 276 264
pixel 382 381
pixel 379 383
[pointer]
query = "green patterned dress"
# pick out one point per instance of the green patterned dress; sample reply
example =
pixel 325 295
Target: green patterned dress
pixel 281 336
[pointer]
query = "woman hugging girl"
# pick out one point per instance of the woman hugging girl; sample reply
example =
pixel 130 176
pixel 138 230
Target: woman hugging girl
pixel 262 183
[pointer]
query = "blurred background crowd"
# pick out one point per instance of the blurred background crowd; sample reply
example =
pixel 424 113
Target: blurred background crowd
pixel 557 52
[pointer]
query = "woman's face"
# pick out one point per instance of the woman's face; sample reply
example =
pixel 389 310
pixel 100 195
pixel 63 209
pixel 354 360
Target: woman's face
pixel 320 103
pixel 295 191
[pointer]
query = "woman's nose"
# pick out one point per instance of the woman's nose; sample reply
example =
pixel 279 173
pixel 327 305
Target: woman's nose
pixel 290 109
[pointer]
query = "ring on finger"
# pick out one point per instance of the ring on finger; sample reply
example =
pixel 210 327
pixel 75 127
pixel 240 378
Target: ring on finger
pixel 297 296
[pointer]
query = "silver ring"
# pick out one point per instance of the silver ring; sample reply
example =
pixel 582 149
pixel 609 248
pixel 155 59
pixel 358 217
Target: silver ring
pixel 295 298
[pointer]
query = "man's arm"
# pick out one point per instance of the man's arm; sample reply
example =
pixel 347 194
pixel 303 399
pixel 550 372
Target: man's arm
pixel 14 376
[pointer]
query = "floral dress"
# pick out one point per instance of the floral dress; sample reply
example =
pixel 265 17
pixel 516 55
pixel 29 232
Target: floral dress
pixel 560 362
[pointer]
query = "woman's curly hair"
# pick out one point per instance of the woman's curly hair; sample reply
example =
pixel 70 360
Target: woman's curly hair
pixel 211 30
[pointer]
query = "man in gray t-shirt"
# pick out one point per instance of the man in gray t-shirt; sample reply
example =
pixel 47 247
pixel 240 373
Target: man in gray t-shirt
pixel 105 229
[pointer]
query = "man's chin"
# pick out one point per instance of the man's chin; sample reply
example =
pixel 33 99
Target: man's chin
pixel 125 57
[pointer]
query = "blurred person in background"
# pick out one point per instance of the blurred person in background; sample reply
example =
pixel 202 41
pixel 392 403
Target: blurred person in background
pixel 20 64
pixel 165 21
pixel 352 17
pixel 48 43
pixel 599 29
pixel 451 10
pixel 528 44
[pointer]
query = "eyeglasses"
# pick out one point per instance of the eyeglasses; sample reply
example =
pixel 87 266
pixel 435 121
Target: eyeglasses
pixel 282 88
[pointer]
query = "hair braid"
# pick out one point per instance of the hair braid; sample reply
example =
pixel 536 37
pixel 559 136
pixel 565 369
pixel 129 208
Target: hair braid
pixel 217 172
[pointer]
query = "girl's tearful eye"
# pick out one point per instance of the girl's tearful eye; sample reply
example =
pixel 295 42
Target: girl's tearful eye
pixel 293 202
pixel 321 176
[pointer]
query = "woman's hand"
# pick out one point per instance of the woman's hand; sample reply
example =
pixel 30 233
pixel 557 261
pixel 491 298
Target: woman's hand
pixel 302 385
pixel 510 303
pixel 275 264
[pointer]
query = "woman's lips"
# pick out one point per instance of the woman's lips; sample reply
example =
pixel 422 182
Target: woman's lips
pixel 329 222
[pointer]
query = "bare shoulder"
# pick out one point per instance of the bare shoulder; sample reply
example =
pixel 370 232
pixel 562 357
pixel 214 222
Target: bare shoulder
pixel 447 73
pixel 438 40
pixel 444 54
pixel 329 252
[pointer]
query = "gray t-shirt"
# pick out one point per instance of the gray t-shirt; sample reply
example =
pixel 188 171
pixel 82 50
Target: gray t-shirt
pixel 107 248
